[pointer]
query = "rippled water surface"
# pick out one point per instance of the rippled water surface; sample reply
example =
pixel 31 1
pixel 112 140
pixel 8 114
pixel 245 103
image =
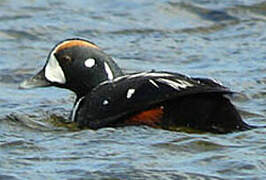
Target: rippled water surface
pixel 225 40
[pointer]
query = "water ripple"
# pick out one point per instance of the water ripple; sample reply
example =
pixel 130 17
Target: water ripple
pixel 206 14
pixel 17 34
pixel 11 18
pixel 220 39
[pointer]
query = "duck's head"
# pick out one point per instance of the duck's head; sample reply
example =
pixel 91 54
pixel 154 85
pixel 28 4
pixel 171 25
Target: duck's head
pixel 75 64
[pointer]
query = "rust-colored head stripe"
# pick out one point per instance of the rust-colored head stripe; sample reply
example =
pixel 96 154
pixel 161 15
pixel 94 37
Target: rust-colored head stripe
pixel 77 42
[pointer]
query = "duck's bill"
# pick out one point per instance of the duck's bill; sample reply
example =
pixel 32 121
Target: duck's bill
pixel 36 81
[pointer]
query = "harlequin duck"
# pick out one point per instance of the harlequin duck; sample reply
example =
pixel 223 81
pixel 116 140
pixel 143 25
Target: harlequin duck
pixel 108 98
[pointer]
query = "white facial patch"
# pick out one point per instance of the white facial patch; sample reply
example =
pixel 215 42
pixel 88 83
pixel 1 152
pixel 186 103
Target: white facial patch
pixel 108 71
pixel 89 62
pixel 130 92
pixel 53 71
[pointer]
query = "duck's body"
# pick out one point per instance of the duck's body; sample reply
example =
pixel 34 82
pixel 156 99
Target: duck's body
pixel 161 100
pixel 107 97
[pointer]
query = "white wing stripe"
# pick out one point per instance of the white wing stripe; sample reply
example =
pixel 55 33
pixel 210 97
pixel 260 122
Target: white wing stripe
pixel 159 75
pixel 154 83
pixel 177 84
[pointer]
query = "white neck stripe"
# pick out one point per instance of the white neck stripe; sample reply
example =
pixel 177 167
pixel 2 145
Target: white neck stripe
pixel 75 108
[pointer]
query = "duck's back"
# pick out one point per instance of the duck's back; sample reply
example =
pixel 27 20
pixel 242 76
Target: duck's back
pixel 160 99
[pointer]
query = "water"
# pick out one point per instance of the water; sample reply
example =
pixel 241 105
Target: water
pixel 223 39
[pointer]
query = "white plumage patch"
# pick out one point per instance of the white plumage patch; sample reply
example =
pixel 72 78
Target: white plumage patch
pixel 130 92
pixel 131 76
pixel 120 78
pixel 105 102
pixel 176 84
pixel 108 71
pixel 53 71
pixel 184 84
pixel 216 81
pixel 89 62
pixel 159 74
pixel 74 111
pixel 149 74
pixel 154 83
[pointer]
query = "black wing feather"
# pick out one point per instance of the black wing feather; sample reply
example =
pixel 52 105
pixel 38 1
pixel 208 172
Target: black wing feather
pixel 109 101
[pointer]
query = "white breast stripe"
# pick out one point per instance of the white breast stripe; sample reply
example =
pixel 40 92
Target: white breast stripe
pixel 53 71
pixel 130 92
pixel 108 71
pixel 154 83
pixel 74 111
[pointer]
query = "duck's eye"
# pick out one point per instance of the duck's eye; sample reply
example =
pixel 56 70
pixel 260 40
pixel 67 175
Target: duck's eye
pixel 66 59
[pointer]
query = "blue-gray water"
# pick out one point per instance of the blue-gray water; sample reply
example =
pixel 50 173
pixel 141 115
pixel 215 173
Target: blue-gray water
pixel 224 39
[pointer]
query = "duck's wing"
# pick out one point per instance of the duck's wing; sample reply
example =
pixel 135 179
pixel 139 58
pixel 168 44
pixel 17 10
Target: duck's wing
pixel 128 94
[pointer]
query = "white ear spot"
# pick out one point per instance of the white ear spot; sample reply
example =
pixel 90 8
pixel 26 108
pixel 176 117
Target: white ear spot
pixel 89 62
pixel 130 92
pixel 54 72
